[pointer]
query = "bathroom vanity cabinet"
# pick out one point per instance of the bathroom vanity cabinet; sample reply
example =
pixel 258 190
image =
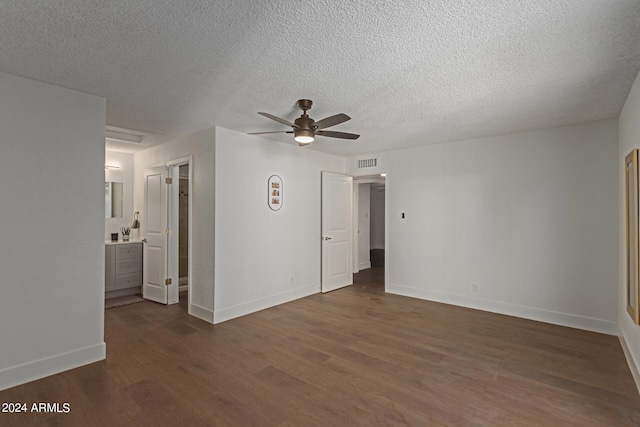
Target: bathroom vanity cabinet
pixel 123 268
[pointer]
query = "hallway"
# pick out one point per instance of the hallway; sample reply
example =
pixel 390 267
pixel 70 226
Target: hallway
pixel 372 279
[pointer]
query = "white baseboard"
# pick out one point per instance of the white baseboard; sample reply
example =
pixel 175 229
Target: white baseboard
pixel 633 364
pixel 249 307
pixel 364 265
pixel 201 313
pixel 31 371
pixel 532 313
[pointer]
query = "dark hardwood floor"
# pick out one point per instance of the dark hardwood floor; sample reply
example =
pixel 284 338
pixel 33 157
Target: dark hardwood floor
pixel 355 356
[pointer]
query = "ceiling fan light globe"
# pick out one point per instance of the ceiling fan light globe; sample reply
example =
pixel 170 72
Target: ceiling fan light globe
pixel 303 136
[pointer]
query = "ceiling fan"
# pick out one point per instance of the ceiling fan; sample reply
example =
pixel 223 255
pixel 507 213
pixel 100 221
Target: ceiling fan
pixel 305 128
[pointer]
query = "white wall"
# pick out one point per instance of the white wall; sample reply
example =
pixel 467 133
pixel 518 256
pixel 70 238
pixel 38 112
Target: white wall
pixel 364 226
pixel 202 146
pixel 377 218
pixel 52 250
pixel 532 218
pixel 123 174
pixel 629 134
pixel 265 257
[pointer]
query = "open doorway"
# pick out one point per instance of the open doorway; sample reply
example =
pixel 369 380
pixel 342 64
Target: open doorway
pixel 369 238
pixel 377 224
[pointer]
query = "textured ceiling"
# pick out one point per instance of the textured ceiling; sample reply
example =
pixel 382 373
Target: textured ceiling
pixel 409 73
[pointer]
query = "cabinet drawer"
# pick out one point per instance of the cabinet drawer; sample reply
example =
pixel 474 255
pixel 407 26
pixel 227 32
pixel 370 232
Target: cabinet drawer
pixel 132 250
pixel 124 266
pixel 124 281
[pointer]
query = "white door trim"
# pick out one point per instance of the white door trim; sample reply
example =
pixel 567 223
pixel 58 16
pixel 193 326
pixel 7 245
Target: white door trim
pixel 367 179
pixel 174 166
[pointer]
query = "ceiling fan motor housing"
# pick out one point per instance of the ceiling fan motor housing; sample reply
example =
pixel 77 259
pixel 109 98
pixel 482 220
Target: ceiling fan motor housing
pixel 306 129
pixel 305 122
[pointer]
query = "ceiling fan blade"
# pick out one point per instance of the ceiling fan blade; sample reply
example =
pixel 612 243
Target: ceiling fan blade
pixel 334 134
pixel 278 119
pixel 275 131
pixel 332 121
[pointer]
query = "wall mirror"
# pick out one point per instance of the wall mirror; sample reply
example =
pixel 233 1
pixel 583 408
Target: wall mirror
pixel 631 220
pixel 113 199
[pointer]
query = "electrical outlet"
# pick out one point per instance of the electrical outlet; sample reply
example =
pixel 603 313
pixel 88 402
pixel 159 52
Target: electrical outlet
pixel 474 287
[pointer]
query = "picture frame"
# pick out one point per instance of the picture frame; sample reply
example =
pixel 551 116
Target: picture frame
pixel 274 192
pixel 632 235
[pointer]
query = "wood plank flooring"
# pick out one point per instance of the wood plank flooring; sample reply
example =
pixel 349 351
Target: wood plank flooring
pixel 355 356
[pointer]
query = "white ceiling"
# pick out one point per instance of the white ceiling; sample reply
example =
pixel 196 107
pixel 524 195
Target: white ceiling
pixel 409 73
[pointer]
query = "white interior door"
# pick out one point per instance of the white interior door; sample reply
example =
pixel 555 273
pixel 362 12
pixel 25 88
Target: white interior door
pixel 154 274
pixel 337 218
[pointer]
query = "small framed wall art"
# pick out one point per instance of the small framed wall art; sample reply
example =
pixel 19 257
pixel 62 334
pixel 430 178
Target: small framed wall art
pixel 274 187
pixel 631 228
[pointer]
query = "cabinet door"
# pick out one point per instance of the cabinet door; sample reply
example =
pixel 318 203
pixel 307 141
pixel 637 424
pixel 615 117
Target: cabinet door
pixel 109 268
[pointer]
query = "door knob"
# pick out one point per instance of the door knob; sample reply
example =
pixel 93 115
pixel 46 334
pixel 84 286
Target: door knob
pixel 327 238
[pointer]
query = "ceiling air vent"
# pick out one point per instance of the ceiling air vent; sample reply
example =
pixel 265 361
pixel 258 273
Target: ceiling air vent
pixel 368 163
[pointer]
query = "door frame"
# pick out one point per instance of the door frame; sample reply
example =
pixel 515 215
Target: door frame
pixel 356 223
pixel 173 172
pixel 368 178
pixel 357 180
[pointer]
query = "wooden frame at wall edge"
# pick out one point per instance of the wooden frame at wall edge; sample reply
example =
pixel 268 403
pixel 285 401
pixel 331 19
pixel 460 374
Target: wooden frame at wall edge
pixel 631 231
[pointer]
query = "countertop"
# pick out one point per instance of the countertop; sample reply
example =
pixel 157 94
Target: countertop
pixel 120 242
